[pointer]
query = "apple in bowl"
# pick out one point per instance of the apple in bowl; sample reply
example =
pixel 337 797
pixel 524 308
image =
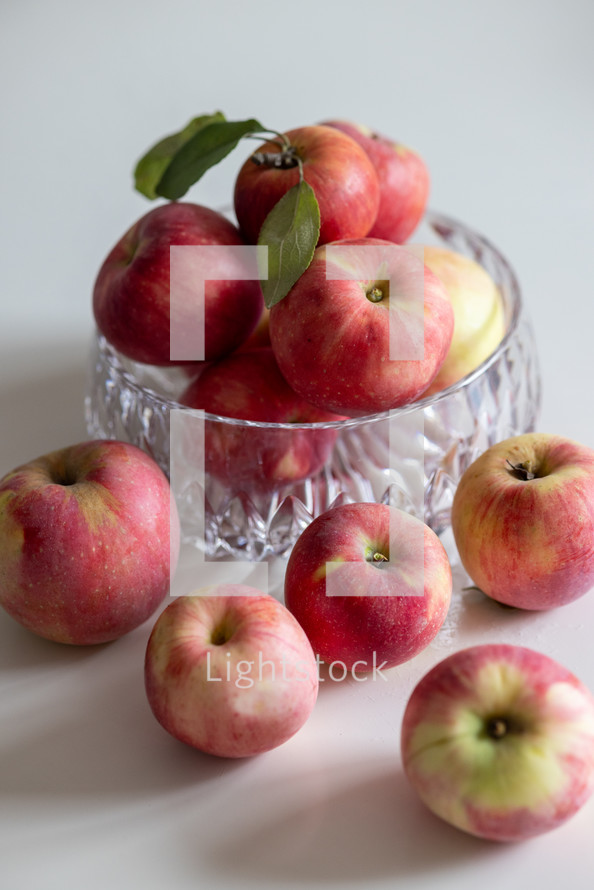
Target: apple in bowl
pixel 369 584
pixel 229 671
pixel 338 170
pixel 364 329
pixel 479 314
pixel 249 386
pixel 403 179
pixel 498 740
pixel 132 301
pixel 523 521
pixel 89 539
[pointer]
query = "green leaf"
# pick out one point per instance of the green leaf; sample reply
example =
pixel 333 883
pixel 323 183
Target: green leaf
pixel 151 167
pixel 290 231
pixel 201 152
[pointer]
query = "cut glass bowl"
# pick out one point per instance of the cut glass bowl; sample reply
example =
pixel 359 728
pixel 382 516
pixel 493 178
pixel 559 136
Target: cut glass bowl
pixel 411 457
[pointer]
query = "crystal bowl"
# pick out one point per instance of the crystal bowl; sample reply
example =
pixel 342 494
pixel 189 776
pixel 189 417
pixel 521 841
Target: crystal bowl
pixel 412 457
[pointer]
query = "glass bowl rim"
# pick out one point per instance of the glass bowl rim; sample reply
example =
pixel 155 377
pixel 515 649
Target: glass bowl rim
pixel 435 221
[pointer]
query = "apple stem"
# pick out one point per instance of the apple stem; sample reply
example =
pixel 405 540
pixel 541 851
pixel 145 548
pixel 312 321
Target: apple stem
pixel 376 557
pixel 375 294
pixel 521 471
pixel 280 160
pixel 497 727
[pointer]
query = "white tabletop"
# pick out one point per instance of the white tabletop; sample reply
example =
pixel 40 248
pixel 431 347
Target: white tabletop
pixel 498 99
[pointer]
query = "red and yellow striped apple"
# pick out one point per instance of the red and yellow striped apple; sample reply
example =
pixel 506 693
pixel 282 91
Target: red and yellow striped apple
pixel 88 538
pixel 498 740
pixel 332 334
pixel 132 293
pixel 338 170
pixel 369 584
pixel 523 521
pixel 230 671
pixel 248 385
pixel 403 178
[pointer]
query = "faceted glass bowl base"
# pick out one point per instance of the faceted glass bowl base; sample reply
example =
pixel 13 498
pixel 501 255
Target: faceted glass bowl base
pixel 413 458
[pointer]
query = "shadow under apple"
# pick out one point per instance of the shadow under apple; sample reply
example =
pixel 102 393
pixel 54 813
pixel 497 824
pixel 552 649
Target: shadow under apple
pixel 83 727
pixel 347 825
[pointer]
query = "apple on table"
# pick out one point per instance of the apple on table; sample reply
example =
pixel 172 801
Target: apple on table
pixel 523 521
pixel 369 584
pixel 89 539
pixel 230 671
pixel 403 179
pixel 498 740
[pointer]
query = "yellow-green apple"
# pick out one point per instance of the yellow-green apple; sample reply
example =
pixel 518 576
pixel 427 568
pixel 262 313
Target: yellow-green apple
pixel 249 386
pixel 479 316
pixel 338 170
pixel 498 740
pixel 403 178
pixel 89 538
pixel 523 521
pixel 334 333
pixel 370 585
pixel 230 671
pixel 132 292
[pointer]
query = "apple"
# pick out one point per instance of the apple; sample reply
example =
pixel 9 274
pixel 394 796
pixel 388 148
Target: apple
pixel 338 170
pixel 249 386
pixel 260 336
pixel 370 585
pixel 132 299
pixel 523 521
pixel 230 671
pixel 498 740
pixel 403 178
pixel 89 537
pixel 479 317
pixel 331 334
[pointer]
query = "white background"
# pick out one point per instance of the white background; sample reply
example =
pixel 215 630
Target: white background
pixel 497 97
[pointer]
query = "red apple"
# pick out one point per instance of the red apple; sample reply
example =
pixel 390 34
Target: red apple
pixel 132 297
pixel 498 740
pixel 249 386
pixel 369 584
pixel 479 316
pixel 338 170
pixel 523 521
pixel 85 552
pixel 260 336
pixel 403 178
pixel 333 331
pixel 230 672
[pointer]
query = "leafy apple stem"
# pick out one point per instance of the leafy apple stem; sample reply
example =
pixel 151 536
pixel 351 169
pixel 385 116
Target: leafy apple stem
pixel 280 160
pixel 292 228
